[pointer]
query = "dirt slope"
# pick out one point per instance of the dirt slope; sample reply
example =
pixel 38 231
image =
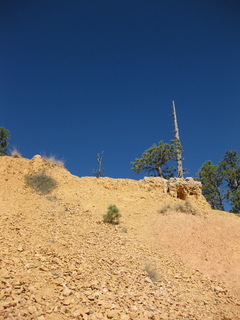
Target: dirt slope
pixel 58 260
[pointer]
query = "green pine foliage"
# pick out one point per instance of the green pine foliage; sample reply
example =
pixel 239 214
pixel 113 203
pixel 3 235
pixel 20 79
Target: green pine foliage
pixel 112 216
pixel 212 180
pixel 229 167
pixel 154 160
pixel 221 182
pixel 4 137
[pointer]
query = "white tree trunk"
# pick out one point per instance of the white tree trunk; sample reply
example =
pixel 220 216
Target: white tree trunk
pixel 177 137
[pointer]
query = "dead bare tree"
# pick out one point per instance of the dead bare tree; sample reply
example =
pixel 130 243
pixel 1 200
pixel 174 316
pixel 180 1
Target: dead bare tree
pixel 178 143
pixel 99 172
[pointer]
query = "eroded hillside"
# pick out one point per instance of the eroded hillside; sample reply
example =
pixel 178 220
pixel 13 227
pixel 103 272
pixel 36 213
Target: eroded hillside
pixel 171 257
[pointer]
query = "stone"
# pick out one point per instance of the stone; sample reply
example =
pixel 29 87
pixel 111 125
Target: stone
pixel 219 289
pixel 68 300
pixel 32 309
pixel 112 314
pixel 66 291
pixel 133 315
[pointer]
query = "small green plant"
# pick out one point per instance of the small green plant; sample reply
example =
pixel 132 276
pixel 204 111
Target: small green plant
pixel 152 273
pixel 112 215
pixel 124 230
pixel 40 182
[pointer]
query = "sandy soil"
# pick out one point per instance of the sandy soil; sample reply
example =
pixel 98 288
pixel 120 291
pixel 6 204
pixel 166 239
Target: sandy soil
pixel 58 260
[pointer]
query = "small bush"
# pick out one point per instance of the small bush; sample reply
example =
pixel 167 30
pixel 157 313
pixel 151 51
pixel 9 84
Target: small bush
pixel 41 182
pixel 185 207
pixel 152 273
pixel 51 198
pixel 165 209
pixel 112 215
pixel 53 161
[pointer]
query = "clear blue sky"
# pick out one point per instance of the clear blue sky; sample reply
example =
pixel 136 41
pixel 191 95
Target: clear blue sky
pixel 79 77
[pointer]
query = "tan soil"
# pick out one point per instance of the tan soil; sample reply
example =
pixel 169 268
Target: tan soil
pixel 58 260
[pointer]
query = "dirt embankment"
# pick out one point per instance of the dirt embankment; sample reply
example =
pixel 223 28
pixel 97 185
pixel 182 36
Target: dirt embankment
pixel 171 257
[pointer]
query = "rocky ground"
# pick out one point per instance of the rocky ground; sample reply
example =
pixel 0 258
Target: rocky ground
pixel 59 260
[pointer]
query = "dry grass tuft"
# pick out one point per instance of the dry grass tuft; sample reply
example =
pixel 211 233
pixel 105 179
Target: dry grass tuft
pixel 15 153
pixel 53 161
pixel 185 207
pixel 165 209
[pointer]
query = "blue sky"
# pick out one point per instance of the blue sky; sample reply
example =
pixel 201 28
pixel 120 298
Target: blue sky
pixel 84 76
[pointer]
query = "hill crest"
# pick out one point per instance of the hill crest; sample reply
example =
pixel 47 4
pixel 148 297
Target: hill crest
pixel 60 261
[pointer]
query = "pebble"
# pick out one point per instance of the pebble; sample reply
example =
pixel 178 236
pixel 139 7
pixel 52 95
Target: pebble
pixel 112 314
pixel 66 291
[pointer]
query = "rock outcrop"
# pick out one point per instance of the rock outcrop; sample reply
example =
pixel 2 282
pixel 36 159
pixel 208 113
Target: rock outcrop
pixel 177 187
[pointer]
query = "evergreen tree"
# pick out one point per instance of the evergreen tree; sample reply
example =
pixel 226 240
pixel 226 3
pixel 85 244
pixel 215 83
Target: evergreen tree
pixel 229 167
pixel 221 182
pixel 211 180
pixel 154 160
pixel 4 137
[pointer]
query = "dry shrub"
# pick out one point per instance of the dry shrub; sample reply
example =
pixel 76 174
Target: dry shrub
pixel 15 153
pixel 165 209
pixel 184 206
pixel 152 273
pixel 40 182
pixel 53 161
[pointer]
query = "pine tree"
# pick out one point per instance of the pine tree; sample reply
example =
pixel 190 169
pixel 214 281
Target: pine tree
pixel 211 180
pixel 229 167
pixel 154 160
pixel 4 137
pixel 221 182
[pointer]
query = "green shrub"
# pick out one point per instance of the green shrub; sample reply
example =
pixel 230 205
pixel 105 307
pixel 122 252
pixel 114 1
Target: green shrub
pixel 40 182
pixel 112 215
